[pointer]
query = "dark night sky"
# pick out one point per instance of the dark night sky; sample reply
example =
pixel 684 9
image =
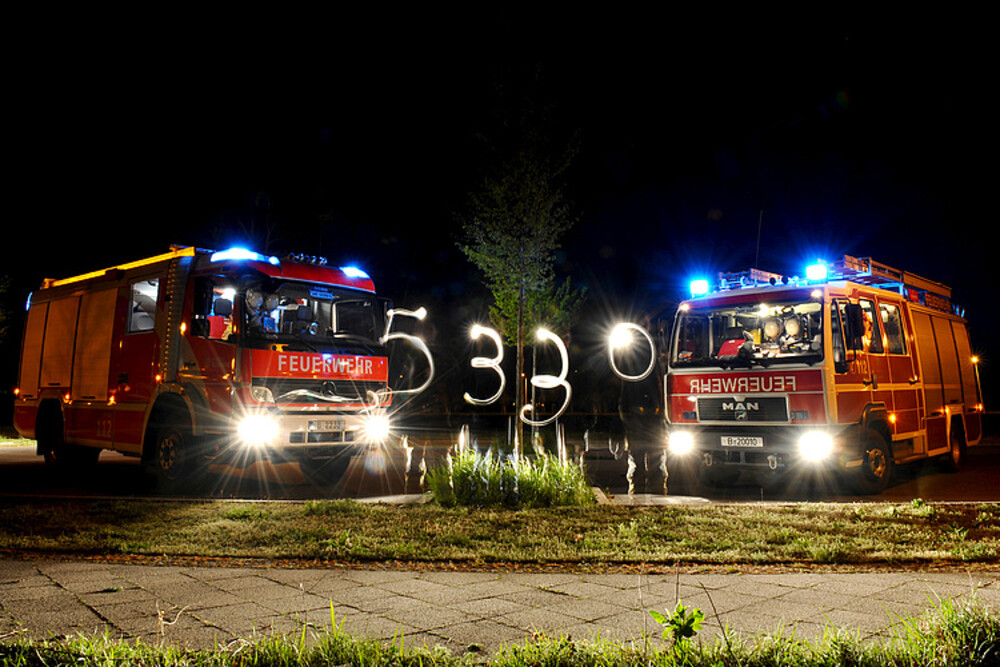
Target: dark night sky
pixel 851 135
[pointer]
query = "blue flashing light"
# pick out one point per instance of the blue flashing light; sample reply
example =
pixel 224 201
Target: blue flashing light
pixel 817 272
pixel 242 254
pixel 354 272
pixel 699 287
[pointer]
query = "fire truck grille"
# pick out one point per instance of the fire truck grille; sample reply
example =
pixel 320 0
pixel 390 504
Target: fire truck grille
pixel 769 409
pixel 313 391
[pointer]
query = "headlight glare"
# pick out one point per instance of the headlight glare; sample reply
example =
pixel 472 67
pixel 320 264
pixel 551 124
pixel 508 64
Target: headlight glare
pixel 815 445
pixel 680 443
pixel 376 428
pixel 258 430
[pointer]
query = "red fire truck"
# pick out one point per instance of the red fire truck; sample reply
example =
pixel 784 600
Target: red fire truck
pixel 196 356
pixel 852 369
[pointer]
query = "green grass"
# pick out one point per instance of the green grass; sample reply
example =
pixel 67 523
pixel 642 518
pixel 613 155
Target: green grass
pixel 9 437
pixel 592 536
pixel 488 480
pixel 957 634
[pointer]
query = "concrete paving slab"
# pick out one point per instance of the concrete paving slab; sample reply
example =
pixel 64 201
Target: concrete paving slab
pixel 202 608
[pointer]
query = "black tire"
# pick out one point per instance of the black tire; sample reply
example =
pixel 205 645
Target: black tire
pixel 682 477
pixel 173 460
pixel 719 476
pixel 58 454
pixel 325 472
pixel 952 461
pixel 877 465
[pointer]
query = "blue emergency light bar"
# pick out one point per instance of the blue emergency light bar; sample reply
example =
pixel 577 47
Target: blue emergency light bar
pixel 354 272
pixel 817 272
pixel 242 254
pixel 699 287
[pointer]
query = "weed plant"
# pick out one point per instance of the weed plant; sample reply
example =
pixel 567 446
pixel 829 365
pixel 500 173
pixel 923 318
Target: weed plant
pixel 955 634
pixel 487 480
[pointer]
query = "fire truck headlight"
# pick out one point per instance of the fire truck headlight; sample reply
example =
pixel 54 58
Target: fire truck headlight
pixel 680 443
pixel 376 428
pixel 259 430
pixel 261 394
pixel 815 446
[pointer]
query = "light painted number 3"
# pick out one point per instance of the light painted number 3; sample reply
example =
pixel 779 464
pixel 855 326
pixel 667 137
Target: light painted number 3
pixel 487 362
pixel 550 381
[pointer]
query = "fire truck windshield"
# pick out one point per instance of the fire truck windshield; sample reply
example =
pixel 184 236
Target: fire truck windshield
pixel 749 334
pixel 312 317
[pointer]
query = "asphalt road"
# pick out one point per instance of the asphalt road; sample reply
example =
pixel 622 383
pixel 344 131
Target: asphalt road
pixel 393 471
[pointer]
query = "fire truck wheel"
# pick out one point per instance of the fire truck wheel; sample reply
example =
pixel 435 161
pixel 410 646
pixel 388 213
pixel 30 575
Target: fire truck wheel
pixel 952 461
pixel 719 476
pixel 172 462
pixel 877 465
pixel 325 472
pixel 62 456
pixel 57 453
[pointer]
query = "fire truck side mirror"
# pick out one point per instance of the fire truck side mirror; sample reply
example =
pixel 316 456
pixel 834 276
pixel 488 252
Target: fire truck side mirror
pixel 854 326
pixel 382 312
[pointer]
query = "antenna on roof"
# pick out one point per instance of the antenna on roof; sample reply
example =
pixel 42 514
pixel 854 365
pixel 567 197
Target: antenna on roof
pixel 760 223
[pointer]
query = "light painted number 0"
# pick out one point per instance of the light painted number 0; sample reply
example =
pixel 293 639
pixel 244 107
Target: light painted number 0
pixel 621 337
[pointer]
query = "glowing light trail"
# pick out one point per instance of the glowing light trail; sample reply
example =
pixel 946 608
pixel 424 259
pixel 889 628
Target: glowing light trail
pixel 621 336
pixel 487 362
pixel 550 381
pixel 416 341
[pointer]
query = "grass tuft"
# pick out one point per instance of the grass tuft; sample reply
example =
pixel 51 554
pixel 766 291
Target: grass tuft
pixel 472 479
pixel 957 634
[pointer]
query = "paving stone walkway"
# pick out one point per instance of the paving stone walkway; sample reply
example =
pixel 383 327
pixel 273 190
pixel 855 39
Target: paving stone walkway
pixel 202 607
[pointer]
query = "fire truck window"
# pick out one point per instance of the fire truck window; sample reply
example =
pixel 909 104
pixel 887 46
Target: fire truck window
pixel 895 339
pixel 757 333
pixel 142 315
pixel 221 317
pixel 872 338
pixel 355 317
pixel 213 310
pixel 839 353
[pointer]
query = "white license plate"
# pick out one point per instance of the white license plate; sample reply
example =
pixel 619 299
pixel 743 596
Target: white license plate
pixel 326 425
pixel 742 441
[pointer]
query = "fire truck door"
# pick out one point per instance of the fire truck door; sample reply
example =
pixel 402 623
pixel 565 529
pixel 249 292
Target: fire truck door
pixel 211 359
pixel 902 374
pixel 878 375
pixel 853 381
pixel 933 335
pixel 89 415
pixel 134 360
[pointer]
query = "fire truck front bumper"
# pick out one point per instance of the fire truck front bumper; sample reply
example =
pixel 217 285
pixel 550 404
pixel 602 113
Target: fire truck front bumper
pixel 762 450
pixel 282 436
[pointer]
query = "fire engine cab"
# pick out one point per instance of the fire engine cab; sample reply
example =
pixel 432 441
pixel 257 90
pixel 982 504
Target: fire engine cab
pixel 196 356
pixel 852 369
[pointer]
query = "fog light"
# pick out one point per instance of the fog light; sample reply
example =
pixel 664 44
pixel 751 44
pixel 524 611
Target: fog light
pixel 680 443
pixel 258 430
pixel 815 445
pixel 376 428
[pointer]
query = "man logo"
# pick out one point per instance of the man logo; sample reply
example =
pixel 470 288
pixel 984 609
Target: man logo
pixel 741 409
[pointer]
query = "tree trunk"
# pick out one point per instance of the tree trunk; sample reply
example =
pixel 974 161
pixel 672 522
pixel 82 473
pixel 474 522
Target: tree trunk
pixel 519 393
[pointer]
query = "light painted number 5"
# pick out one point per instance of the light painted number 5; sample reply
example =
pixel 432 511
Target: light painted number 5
pixel 416 341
